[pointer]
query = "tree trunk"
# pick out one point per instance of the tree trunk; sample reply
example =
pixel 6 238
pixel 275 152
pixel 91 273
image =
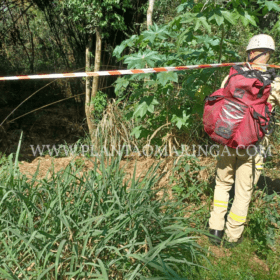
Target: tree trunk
pixel 89 106
pixel 150 13
pixel 149 22
pixel 88 93
pixel 96 65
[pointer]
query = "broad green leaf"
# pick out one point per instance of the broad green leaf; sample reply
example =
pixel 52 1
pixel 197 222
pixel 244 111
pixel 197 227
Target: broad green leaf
pixel 244 20
pixel 145 105
pixel 121 82
pixel 184 6
pixel 217 16
pixel 166 77
pixel 206 25
pixel 118 50
pixel 180 121
pixel 149 35
pixel 136 131
pixel 156 32
pixel 140 59
pixel 208 41
pixel 250 19
pixel 219 19
pixel 197 25
pixel 202 21
pixel 272 5
pixel 229 16
pixel 188 18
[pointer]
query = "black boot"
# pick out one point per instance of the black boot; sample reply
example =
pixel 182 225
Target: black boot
pixel 216 239
pixel 229 245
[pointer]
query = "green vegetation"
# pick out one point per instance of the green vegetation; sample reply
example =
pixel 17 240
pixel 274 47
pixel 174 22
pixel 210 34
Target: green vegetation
pixel 200 33
pixel 185 179
pixel 100 224
pixel 94 226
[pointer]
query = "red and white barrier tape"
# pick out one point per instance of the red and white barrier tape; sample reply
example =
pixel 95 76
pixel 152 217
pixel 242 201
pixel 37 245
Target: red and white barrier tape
pixel 125 72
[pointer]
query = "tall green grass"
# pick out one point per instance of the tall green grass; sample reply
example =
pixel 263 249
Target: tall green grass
pixel 92 225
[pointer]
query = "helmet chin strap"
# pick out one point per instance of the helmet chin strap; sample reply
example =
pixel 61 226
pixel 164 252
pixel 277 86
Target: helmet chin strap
pixel 254 58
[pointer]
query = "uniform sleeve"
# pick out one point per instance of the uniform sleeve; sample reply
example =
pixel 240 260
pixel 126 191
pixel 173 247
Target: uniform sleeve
pixel 274 97
pixel 224 81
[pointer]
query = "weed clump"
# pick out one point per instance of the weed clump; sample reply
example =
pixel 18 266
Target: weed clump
pixel 93 226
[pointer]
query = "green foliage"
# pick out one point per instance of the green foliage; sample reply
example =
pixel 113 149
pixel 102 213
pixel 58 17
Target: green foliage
pixel 146 104
pixel 185 179
pixel 241 263
pixel 264 219
pixel 96 13
pixel 3 159
pixel 140 59
pixel 180 121
pixel 100 102
pixel 200 33
pixel 272 5
pixel 95 226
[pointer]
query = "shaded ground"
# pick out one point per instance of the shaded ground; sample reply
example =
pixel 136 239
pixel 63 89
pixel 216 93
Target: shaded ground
pixel 51 126
pixel 273 185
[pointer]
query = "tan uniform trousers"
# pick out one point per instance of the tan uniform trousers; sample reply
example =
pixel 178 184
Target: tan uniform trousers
pixel 244 168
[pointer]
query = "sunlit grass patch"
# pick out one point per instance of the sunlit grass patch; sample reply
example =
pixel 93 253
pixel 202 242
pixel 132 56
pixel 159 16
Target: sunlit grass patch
pixel 92 226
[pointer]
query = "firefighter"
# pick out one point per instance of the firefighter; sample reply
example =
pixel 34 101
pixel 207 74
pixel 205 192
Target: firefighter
pixel 241 167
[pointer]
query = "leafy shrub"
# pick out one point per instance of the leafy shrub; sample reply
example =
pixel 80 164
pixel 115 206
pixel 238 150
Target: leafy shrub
pixel 200 33
pixel 185 177
pixel 264 219
pixel 100 102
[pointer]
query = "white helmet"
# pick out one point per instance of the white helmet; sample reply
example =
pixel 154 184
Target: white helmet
pixel 261 41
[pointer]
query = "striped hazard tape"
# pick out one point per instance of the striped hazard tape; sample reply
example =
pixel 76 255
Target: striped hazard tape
pixel 125 72
pixel 116 72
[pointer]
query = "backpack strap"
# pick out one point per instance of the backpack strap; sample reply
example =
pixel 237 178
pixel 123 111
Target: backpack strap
pixel 272 120
pixel 268 122
pixel 212 98
pixel 271 76
pixel 265 83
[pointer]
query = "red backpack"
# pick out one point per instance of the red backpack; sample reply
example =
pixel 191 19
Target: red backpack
pixel 239 115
